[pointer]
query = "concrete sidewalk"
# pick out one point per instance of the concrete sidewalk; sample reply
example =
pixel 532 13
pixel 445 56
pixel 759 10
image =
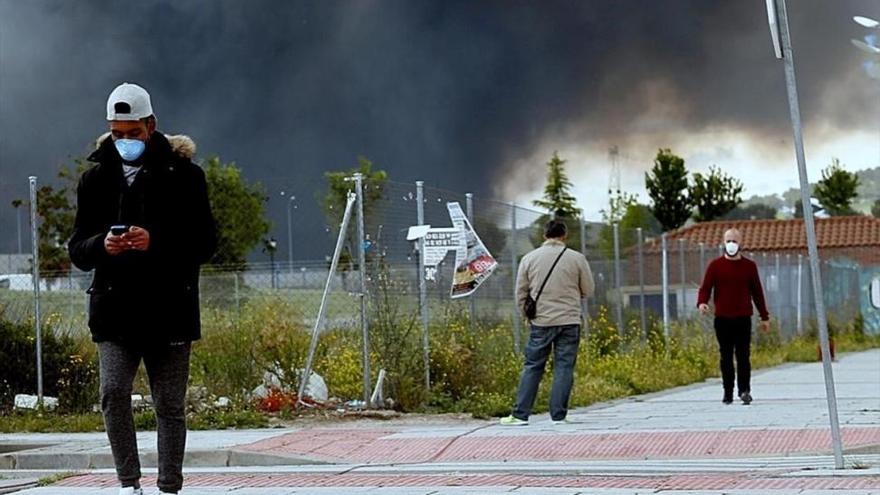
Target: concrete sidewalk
pixel 683 439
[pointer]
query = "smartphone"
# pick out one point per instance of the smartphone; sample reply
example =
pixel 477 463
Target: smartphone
pixel 118 229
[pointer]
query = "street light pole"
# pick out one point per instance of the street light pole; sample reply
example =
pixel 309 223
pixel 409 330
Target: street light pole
pixel 779 31
pixel 290 207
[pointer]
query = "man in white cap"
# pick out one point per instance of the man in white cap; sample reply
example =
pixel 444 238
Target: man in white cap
pixel 144 224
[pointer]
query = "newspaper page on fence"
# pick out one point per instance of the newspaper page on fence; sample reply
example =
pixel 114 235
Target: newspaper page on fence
pixel 438 243
pixel 473 262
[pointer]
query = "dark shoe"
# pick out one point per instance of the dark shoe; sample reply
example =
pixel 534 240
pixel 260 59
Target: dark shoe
pixel 728 398
pixel 746 398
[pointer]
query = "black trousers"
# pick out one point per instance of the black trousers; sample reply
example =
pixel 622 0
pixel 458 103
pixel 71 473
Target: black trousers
pixel 734 338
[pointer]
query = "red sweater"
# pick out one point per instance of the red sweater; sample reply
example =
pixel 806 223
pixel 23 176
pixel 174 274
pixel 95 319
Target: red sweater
pixel 736 284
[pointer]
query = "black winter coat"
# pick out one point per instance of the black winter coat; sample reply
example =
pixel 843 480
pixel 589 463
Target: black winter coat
pixel 145 297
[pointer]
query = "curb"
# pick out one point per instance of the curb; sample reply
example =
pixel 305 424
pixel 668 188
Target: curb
pixel 104 460
pixel 14 485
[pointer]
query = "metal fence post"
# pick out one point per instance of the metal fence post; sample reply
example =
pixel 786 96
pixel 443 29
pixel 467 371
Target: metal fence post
pixel 423 288
pixel 788 292
pixel 642 316
pixel 472 299
pixel 514 269
pixel 683 273
pixel 800 292
pixel 35 249
pixel 617 282
pixel 235 287
pixel 362 262
pixel 778 293
pixel 322 311
pixel 585 304
pixel 665 277
pixel 702 256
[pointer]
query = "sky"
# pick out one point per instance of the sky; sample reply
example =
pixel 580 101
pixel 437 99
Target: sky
pixel 469 96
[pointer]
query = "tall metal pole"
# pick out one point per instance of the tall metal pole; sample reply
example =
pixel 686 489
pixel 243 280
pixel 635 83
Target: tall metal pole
pixel 642 315
pixel 665 277
pixel 779 14
pixel 514 269
pixel 472 307
pixel 322 311
pixel 362 262
pixel 35 250
pixel 617 282
pixel 423 288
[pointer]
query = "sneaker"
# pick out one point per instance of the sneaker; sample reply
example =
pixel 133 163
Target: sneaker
pixel 728 398
pixel 746 398
pixel 512 421
pixel 557 422
pixel 130 490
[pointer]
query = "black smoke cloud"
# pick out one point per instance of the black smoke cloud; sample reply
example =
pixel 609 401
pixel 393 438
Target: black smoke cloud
pixel 449 92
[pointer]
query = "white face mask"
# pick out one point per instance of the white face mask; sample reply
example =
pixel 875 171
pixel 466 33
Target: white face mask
pixel 732 248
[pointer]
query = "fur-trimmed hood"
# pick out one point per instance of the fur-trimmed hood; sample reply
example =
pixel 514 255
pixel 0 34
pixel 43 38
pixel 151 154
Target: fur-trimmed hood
pixel 181 144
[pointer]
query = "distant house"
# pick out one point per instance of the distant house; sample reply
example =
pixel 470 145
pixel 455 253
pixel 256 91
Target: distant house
pixel 849 248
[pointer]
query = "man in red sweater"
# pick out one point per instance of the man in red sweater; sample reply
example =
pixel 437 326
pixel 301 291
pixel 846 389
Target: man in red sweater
pixel 735 283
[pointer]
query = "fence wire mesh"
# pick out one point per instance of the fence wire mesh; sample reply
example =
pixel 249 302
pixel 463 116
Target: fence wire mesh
pixel 628 274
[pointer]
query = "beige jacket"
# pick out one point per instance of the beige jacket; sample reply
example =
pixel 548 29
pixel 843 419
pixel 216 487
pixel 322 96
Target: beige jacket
pixel 571 281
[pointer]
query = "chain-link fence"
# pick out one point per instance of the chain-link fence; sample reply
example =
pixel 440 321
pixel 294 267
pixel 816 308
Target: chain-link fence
pixel 643 281
pixel 630 278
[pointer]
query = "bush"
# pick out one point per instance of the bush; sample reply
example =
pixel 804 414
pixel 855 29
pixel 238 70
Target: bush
pixel 18 373
pixel 78 388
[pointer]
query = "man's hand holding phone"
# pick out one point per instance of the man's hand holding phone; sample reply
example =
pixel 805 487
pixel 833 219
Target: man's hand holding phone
pixel 122 238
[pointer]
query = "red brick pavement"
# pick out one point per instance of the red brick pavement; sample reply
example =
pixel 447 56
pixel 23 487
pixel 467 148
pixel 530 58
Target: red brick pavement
pixel 743 481
pixel 376 446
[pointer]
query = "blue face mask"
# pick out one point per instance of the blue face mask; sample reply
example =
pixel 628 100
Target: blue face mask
pixel 130 149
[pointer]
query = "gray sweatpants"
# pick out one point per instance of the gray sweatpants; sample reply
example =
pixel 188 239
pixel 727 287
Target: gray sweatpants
pixel 168 371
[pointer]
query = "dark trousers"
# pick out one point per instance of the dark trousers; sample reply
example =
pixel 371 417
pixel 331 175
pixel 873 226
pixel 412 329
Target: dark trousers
pixel 734 338
pixel 563 342
pixel 168 371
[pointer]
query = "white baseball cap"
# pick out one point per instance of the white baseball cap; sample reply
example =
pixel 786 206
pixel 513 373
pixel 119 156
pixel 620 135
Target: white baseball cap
pixel 129 102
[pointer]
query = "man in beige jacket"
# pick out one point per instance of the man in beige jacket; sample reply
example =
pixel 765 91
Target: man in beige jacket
pixel 557 323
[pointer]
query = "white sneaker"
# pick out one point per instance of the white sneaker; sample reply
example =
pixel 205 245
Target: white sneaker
pixel 131 491
pixel 557 422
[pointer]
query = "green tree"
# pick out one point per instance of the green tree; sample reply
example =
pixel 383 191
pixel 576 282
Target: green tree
pixel 239 210
pixel 754 211
pixel 667 184
pixel 557 199
pixel 714 195
pixel 875 208
pixel 837 190
pixel 559 204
